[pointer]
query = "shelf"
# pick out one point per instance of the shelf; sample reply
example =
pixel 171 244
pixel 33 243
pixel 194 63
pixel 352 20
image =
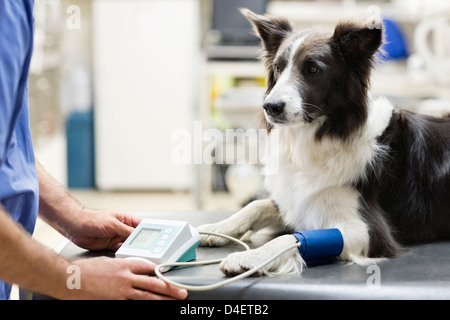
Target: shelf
pixel 235 68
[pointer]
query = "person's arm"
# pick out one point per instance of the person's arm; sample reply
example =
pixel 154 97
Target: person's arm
pixel 89 229
pixel 36 268
pixel 26 262
pixel 33 267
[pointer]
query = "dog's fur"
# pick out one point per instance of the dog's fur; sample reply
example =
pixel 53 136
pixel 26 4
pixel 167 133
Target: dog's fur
pixel 346 160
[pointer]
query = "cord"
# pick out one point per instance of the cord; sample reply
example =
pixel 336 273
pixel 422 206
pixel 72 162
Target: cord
pixel 224 282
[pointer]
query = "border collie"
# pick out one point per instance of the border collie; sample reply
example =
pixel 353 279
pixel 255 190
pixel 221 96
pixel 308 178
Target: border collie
pixel 346 160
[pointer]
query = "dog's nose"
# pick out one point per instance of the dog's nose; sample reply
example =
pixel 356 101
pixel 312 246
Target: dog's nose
pixel 274 109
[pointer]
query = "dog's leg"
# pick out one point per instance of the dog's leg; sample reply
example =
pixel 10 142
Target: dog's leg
pixel 255 216
pixel 356 243
pixel 341 206
pixel 356 239
pixel 288 263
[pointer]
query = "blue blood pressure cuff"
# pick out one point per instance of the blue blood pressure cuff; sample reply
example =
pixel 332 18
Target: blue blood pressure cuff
pixel 320 246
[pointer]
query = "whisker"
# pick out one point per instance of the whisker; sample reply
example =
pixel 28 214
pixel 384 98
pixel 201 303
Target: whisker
pixel 311 105
pixel 308 114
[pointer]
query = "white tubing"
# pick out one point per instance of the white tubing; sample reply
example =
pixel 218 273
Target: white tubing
pixel 224 282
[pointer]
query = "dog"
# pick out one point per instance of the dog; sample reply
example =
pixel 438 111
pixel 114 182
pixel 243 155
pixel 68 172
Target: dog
pixel 347 160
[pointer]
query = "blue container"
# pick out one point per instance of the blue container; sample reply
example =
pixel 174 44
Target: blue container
pixel 80 150
pixel 395 46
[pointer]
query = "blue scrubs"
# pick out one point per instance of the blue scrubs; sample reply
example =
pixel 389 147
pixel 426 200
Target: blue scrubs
pixel 19 188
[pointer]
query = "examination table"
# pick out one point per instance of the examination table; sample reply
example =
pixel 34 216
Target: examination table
pixel 422 273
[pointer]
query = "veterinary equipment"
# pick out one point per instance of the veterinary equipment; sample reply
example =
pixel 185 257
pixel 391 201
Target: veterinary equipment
pixel 170 244
pixel 161 241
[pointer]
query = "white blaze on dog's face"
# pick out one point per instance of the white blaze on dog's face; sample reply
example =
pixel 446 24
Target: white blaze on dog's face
pixel 298 70
pixel 283 104
pixel 316 74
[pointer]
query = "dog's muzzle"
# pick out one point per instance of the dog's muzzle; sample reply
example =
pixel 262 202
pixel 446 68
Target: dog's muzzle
pixel 274 109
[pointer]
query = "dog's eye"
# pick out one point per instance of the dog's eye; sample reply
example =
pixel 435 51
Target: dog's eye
pixel 277 68
pixel 313 69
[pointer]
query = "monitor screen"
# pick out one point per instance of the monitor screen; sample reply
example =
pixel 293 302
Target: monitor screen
pixel 232 25
pixel 145 238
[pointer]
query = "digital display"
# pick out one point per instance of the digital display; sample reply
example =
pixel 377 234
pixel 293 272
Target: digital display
pixel 145 237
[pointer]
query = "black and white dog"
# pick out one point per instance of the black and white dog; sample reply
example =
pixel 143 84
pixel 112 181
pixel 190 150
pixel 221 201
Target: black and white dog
pixel 346 160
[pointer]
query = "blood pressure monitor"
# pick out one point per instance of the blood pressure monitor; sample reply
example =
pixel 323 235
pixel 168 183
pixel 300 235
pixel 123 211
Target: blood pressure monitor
pixel 169 243
pixel 161 241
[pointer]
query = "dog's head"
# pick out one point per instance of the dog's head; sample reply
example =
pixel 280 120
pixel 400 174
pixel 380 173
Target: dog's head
pixel 316 74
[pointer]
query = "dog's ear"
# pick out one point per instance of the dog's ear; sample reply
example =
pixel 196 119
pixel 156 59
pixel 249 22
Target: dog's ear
pixel 356 42
pixel 271 31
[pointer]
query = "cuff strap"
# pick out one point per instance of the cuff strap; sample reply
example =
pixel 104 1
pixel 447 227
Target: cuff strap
pixel 320 246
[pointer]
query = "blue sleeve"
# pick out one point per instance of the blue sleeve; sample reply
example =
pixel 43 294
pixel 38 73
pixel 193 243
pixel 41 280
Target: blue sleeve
pixel 320 246
pixel 16 41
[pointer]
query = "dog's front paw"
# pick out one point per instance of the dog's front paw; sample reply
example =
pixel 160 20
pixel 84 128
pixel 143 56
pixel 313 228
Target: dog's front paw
pixel 214 241
pixel 240 262
pixel 289 262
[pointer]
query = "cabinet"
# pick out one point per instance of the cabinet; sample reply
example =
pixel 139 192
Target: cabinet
pixel 145 56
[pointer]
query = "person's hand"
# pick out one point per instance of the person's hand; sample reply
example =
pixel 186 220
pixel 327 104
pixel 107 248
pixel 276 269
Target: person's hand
pixel 107 278
pixel 97 230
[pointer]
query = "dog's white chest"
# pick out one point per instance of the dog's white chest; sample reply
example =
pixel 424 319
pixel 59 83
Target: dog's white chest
pixel 311 181
pixel 313 188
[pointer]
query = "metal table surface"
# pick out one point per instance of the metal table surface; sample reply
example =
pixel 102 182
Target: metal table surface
pixel 422 273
